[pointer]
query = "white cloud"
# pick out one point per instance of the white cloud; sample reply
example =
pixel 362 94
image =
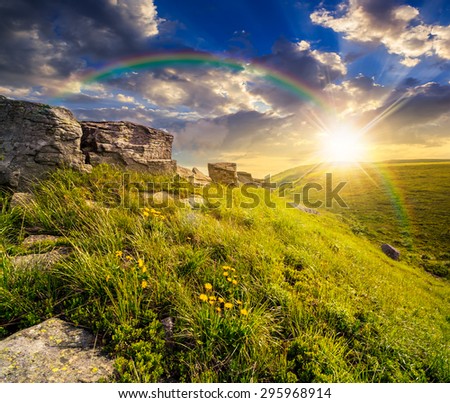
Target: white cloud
pixel 398 28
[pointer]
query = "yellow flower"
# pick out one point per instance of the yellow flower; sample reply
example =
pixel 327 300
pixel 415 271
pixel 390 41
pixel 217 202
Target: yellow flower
pixel 208 287
pixel 147 209
pixel 234 282
pixel 119 253
pixel 144 269
pixel 203 297
pixel 244 312
pixel 228 278
pixel 225 273
pixel 128 257
pixel 233 270
pixel 228 305
pixel 144 284
pixel 140 263
pixel 212 302
pixel 226 267
pixel 220 300
pixel 108 277
pixel 239 302
pixel 212 298
pixel 218 309
pixel 145 214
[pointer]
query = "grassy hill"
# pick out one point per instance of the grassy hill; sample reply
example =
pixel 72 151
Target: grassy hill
pixel 405 204
pixel 255 294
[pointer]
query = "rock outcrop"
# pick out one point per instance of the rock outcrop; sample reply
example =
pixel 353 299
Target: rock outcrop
pixel 224 173
pixel 34 139
pixel 128 145
pixel 390 251
pixel 53 351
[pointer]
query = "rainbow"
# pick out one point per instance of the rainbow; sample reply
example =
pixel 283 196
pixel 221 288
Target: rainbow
pixel 190 59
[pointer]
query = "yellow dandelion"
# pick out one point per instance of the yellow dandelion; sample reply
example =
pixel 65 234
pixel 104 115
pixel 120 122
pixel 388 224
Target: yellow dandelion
pixel 153 211
pixel 108 277
pixel 147 209
pixel 144 284
pixel 228 305
pixel 233 270
pixel 244 312
pixel 212 302
pixel 218 309
pixel 119 253
pixel 226 267
pixel 140 263
pixel 239 302
pixel 225 273
pixel 128 257
pixel 144 269
pixel 208 287
pixel 145 214
pixel 229 279
pixel 212 298
pixel 221 300
pixel 234 282
pixel 203 297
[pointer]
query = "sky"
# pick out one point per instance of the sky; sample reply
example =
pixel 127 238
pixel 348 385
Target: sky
pixel 268 84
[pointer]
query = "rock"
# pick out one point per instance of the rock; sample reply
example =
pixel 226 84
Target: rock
pixel 168 324
pixel 183 172
pixel 198 178
pixel 37 239
pixel 246 178
pixel 304 208
pixel 162 198
pixel 194 201
pixel 390 251
pixel 128 145
pixel 53 351
pixel 224 173
pixel 35 139
pixel 21 200
pixel 41 260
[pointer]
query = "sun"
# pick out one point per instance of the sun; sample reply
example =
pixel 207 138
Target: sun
pixel 342 145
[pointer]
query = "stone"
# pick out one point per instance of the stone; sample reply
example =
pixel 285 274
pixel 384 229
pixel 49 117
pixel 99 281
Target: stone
pixel 198 178
pixel 193 201
pixel 42 261
pixel 37 239
pixel 128 145
pixel 390 251
pixel 21 199
pixel 35 139
pixel 304 208
pixel 183 172
pixel 224 173
pixel 53 351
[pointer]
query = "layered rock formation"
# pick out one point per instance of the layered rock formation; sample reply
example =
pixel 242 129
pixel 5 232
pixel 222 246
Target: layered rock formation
pixel 36 138
pixel 224 173
pixel 128 145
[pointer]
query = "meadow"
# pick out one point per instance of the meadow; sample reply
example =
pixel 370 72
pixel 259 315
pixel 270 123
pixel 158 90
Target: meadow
pixel 255 294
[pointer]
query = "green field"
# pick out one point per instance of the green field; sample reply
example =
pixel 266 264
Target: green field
pixel 405 204
pixel 257 294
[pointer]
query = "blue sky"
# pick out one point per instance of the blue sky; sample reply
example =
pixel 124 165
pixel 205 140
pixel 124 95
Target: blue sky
pixel 381 67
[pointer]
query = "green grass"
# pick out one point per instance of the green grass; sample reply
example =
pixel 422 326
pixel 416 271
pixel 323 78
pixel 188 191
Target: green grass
pixel 310 301
pixel 403 204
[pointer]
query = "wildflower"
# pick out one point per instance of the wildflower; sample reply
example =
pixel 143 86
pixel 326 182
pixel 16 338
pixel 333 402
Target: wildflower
pixel 212 298
pixel 203 297
pixel 221 300
pixel 147 209
pixel 244 312
pixel 108 277
pixel 234 282
pixel 233 270
pixel 218 309
pixel 144 284
pixel 239 302
pixel 226 267
pixel 128 257
pixel 229 279
pixel 212 302
pixel 145 214
pixel 119 253
pixel 225 273
pixel 208 287
pixel 144 269
pixel 140 263
pixel 228 305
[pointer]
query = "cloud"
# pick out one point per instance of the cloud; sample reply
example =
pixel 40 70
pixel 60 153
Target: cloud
pixel 398 27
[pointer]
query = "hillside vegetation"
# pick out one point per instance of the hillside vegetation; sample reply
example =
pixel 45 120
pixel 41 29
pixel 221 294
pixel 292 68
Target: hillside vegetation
pixel 405 204
pixel 256 294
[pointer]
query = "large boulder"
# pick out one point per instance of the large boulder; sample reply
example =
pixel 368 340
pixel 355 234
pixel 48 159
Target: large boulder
pixel 128 145
pixel 34 139
pixel 53 351
pixel 390 251
pixel 224 173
